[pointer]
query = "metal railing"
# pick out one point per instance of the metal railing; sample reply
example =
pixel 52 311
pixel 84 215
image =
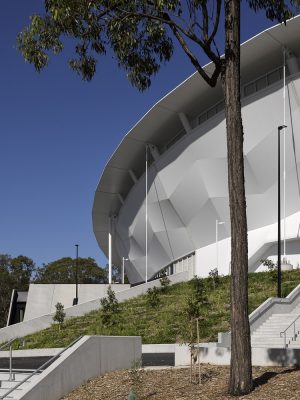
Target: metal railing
pixel 295 334
pixel 42 367
pixel 9 345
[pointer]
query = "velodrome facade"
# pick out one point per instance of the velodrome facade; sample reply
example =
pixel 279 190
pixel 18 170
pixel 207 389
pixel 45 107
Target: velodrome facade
pixel 184 135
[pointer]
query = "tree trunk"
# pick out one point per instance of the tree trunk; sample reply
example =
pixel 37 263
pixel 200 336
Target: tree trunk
pixel 240 366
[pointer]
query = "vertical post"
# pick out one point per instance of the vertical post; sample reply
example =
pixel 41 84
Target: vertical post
pixel 75 300
pixel 76 272
pixel 146 188
pixel 123 268
pixel 279 222
pixel 285 340
pixel 279 218
pixel 198 354
pixel 217 249
pixel 294 326
pixel 217 241
pixel 284 155
pixel 11 375
pixel 109 250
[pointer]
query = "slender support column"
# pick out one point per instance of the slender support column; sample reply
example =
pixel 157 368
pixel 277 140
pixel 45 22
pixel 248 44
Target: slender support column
pixel 109 250
pixel 284 154
pixel 76 245
pixel 280 128
pixel 217 241
pixel 217 247
pixel 279 223
pixel 146 188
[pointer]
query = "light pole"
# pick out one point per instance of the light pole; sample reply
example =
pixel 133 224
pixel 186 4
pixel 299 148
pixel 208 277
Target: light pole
pixel 280 128
pixel 217 241
pixel 75 300
pixel 146 216
pixel 123 268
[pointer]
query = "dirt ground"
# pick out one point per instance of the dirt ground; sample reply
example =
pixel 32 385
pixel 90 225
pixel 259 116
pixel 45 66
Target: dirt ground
pixel 271 383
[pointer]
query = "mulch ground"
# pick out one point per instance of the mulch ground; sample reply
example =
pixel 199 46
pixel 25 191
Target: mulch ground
pixel 271 383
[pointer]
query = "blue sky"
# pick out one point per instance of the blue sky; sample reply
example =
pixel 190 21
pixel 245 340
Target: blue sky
pixel 57 133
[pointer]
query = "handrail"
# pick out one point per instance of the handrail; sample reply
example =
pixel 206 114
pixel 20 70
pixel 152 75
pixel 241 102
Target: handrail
pixel 284 332
pixel 40 368
pixel 7 343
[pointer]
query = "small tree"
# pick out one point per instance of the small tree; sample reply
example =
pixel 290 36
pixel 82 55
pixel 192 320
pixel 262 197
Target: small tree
pixel 272 268
pixel 153 297
pixel 135 374
pixel 110 308
pixel 165 283
pixel 59 315
pixel 214 277
pixel 198 287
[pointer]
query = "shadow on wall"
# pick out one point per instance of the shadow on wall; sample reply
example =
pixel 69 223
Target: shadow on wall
pixel 285 357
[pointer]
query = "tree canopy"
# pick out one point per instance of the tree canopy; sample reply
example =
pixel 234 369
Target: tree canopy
pixel 15 273
pixel 141 33
pixel 64 271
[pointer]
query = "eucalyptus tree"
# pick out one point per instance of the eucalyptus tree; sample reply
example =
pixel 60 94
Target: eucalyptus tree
pixel 142 35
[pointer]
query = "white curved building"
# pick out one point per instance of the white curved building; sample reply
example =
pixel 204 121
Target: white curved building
pixel 187 176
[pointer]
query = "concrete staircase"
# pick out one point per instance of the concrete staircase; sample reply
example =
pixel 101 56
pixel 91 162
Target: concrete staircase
pixel 6 384
pixel 267 335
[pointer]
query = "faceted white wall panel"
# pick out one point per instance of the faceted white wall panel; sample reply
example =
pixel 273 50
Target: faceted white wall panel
pixel 188 190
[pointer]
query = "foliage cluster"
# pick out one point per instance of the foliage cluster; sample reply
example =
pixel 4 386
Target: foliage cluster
pixel 153 298
pixel 15 273
pixel 59 315
pixel 165 283
pixel 64 271
pixel 110 308
pixel 153 294
pixel 272 268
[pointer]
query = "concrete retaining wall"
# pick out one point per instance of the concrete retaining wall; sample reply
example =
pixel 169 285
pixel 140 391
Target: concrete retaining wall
pixel 91 356
pixel 34 325
pixel 210 353
pixel 42 298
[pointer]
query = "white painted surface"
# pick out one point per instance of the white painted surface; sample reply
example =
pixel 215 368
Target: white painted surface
pixel 43 297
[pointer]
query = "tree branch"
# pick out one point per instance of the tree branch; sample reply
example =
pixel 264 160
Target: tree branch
pixel 216 24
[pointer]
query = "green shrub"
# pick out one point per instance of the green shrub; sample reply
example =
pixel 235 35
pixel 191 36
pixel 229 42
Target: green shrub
pixel 214 277
pixel 165 283
pixel 110 308
pixel 59 315
pixel 153 297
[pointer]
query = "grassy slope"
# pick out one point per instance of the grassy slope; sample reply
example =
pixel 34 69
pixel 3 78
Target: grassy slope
pixel 165 323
